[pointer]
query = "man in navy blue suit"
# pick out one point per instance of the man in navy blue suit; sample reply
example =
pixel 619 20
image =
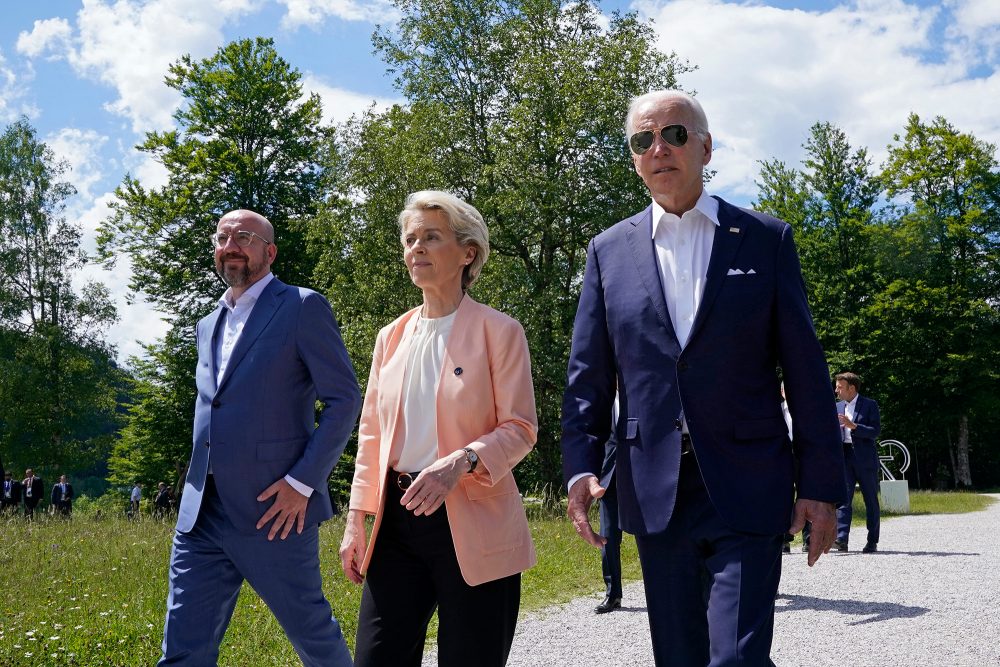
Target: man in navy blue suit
pixel 860 426
pixel 261 456
pixel 688 308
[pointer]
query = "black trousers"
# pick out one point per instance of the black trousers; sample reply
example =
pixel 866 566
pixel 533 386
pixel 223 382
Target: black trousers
pixel 413 571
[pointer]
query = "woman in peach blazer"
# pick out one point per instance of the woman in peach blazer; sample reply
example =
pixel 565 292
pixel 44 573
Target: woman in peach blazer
pixel 449 411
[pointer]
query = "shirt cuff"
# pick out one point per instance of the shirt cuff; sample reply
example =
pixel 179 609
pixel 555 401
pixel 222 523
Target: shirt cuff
pixel 576 478
pixel 298 486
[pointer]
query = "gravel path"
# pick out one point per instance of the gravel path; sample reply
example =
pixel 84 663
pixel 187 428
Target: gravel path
pixel 931 596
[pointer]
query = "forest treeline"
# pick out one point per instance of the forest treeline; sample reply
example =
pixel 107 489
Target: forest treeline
pixel 517 107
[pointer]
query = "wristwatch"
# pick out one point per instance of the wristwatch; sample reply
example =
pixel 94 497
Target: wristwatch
pixel 471 457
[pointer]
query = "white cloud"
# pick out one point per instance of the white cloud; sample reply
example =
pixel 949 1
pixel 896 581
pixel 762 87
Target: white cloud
pixel 767 74
pixel 340 104
pixel 12 91
pixel 82 150
pixel 129 44
pixel 976 25
pixel 313 13
pixel 51 35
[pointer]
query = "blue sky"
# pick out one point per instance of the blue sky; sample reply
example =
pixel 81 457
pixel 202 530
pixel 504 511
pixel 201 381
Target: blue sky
pixel 88 74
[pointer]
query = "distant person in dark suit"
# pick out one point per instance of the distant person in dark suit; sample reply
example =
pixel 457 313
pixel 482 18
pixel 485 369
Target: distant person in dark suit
pixel 32 489
pixel 610 529
pixel 161 502
pixel 860 426
pixel 62 497
pixel 10 498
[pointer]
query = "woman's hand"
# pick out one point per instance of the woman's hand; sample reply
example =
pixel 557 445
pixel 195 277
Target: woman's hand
pixel 436 481
pixel 352 547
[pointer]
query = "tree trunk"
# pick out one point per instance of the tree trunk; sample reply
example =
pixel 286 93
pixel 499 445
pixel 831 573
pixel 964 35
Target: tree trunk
pixel 963 474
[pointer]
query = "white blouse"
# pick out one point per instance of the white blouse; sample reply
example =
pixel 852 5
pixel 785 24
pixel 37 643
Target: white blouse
pixel 420 382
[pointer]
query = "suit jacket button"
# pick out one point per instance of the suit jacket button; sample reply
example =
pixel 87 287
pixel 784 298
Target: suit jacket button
pixel 216 403
pixel 207 444
pixel 682 365
pixel 458 371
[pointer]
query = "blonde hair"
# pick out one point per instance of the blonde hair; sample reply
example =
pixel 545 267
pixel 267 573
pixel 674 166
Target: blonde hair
pixel 463 219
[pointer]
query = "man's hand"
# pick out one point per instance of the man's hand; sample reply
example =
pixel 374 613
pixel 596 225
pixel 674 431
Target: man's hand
pixel 823 518
pixel 846 422
pixel 289 507
pixel 352 547
pixel 581 496
pixel 434 483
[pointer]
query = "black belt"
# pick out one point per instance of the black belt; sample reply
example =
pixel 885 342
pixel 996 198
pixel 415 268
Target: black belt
pixel 686 447
pixel 403 479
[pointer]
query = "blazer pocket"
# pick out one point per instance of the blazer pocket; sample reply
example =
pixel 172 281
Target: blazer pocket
pixel 280 450
pixel 476 491
pixel 499 520
pixel 631 428
pixel 757 429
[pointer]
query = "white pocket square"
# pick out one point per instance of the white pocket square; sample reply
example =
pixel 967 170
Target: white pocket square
pixel 740 272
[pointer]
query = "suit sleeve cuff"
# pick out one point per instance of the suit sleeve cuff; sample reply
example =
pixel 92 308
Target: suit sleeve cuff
pixel 298 486
pixel 576 478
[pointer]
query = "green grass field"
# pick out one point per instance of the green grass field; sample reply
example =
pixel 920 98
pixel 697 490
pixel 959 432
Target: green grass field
pixel 93 592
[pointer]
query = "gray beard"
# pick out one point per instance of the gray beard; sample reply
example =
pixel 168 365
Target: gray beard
pixel 236 277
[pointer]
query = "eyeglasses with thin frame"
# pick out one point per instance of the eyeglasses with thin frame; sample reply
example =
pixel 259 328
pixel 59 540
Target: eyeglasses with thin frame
pixel 642 141
pixel 243 238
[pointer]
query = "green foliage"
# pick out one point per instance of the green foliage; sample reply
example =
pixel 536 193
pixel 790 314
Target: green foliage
pixel 830 204
pixel 156 442
pixel 58 381
pixel 907 295
pixel 937 321
pixel 517 107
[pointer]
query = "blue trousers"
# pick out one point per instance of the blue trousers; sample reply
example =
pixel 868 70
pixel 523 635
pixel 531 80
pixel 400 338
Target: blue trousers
pixel 709 589
pixel 207 568
pixel 867 478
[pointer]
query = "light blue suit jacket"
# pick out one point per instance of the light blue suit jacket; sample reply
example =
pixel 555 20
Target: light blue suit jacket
pixel 259 423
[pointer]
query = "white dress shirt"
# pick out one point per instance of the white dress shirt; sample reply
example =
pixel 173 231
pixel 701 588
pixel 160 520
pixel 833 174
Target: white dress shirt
pixel 423 372
pixel 234 317
pixel 849 409
pixel 683 249
pixel 683 246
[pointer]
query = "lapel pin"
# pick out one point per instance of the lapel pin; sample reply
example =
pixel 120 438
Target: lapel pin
pixel 458 371
pixel 734 230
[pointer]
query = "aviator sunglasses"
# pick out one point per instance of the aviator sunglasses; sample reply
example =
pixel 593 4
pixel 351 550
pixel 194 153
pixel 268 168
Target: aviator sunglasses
pixel 675 135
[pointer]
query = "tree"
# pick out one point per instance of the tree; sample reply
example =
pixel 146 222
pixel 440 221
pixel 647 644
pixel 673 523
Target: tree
pixel 948 286
pixel 517 107
pixel 58 380
pixel 246 137
pixel 830 204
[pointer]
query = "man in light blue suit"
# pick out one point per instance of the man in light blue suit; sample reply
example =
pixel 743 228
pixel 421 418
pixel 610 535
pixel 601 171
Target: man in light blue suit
pixel 860 425
pixel 256 487
pixel 687 309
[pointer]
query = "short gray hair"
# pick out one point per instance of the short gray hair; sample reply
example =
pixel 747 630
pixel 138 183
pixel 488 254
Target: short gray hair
pixel 463 218
pixel 700 119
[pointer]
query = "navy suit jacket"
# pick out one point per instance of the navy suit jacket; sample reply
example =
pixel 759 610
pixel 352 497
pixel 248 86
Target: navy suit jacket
pixel 869 425
pixel 259 422
pixel 724 380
